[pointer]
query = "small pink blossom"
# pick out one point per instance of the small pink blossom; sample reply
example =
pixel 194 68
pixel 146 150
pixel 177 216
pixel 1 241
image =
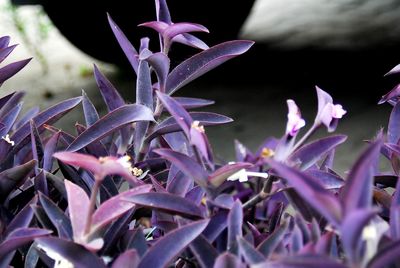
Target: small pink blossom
pixel 328 113
pixel 295 122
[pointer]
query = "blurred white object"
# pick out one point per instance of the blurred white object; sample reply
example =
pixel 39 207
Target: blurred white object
pixel 324 23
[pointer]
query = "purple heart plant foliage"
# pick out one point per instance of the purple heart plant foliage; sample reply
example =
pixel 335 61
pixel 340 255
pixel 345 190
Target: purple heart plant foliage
pixel 140 187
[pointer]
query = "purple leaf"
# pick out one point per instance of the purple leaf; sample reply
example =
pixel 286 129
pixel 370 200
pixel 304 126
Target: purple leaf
pixel 113 121
pixel 5 40
pixel 392 95
pixel 386 256
pixel 203 62
pixel 351 230
pixel 227 260
pixel 393 132
pixel 235 222
pixel 78 209
pixel 160 63
pixel 357 192
pixel 310 153
pixel 312 191
pixel 268 246
pixel 22 219
pixel 394 70
pixel 220 175
pixel 9 119
pixel 137 241
pixel 129 50
pixel 57 217
pixel 4 52
pixel 181 116
pixel 191 103
pixel 49 149
pixel 171 245
pixel 13 101
pixel 19 238
pixel 186 164
pixel 110 95
pixel 301 261
pixel 48 116
pixel 37 150
pixel 128 259
pixel 89 111
pixel 11 178
pixel 11 69
pixel 144 89
pixel 249 253
pixel 204 252
pixel 115 207
pixel 395 214
pixel 218 223
pixel 205 119
pixel 179 185
pixel 162 11
pixel 74 253
pixel 190 40
pixel 327 179
pixel 26 117
pixel 168 203
pixel 181 28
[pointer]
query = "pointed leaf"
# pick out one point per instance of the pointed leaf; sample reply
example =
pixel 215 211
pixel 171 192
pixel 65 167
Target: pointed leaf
pixel 310 153
pixel 74 253
pixel 182 27
pixel 327 179
pixel 110 95
pixel 9 119
pixel 186 164
pixel 192 103
pixel 351 230
pixel 19 238
pixel 171 245
pixel 249 253
pixel 167 202
pixel 11 69
pixel 4 52
pixel 78 208
pixel 220 175
pixel 190 40
pixel 357 192
pixel 181 116
pixel 49 149
pixel 13 177
pixel 393 132
pixel 204 252
pixel 311 190
pixel 268 246
pixel 144 88
pixel 23 218
pixel 89 111
pixel 57 217
pixel 48 116
pixel 116 206
pixel 162 11
pixel 203 62
pixel 5 41
pixel 129 50
pixel 205 119
pixel 113 121
pixel 235 222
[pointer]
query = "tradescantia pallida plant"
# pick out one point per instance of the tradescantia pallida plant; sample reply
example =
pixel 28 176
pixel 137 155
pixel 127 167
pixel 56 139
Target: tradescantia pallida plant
pixel 140 187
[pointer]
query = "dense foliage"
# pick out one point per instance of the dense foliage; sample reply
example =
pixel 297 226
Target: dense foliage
pixel 139 187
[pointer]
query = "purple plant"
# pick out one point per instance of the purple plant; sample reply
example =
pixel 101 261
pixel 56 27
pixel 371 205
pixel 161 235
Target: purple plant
pixel 140 186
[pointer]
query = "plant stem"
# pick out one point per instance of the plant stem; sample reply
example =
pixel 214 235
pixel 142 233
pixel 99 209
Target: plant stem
pixel 92 203
pixel 306 136
pixel 262 195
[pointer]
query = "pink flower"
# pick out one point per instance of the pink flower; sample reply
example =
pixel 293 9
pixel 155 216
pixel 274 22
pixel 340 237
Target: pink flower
pixel 101 167
pixel 295 122
pixel 328 113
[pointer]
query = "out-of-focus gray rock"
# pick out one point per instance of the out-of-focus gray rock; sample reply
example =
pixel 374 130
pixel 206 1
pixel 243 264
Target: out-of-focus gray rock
pixel 342 24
